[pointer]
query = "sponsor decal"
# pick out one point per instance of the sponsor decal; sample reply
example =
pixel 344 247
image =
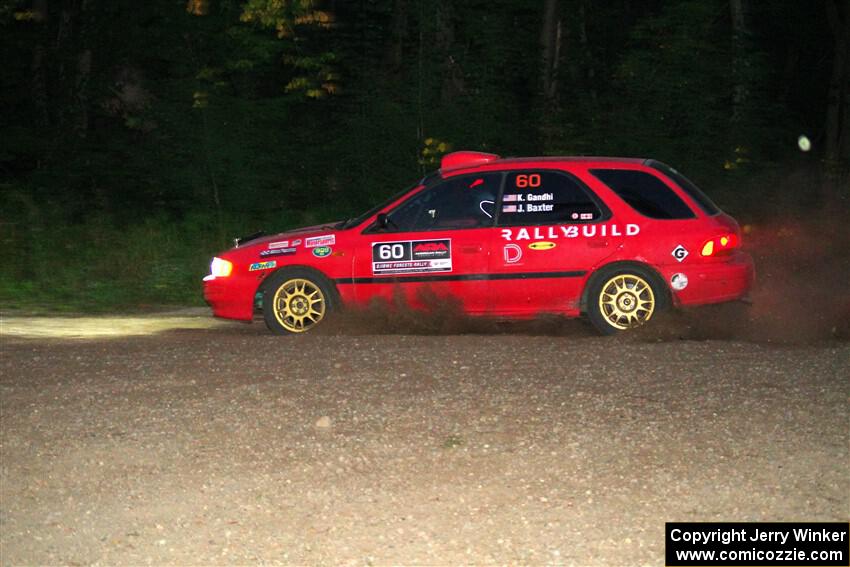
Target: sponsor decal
pixel 316 241
pixel 679 281
pixel 431 249
pixel 513 253
pixel 281 244
pixel 277 252
pixel 262 266
pixel 321 251
pixel 679 252
pixel 541 245
pixel 412 256
pixel 569 231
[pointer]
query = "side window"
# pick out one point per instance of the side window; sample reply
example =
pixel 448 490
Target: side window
pixel 458 202
pixel 645 193
pixel 546 197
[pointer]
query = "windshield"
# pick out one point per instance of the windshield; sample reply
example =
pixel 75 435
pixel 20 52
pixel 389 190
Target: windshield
pixel 352 222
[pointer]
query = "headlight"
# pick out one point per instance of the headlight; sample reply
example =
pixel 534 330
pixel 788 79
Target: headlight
pixel 220 268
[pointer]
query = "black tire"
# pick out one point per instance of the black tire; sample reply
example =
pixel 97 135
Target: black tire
pixel 624 296
pixel 296 300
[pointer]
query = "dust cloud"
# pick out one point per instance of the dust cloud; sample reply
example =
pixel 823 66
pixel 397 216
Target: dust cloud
pixel 802 289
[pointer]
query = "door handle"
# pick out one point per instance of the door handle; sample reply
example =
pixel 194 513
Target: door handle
pixel 470 249
pixel 597 243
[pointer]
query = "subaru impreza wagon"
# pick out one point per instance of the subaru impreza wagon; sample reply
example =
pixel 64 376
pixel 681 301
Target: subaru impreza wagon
pixel 614 239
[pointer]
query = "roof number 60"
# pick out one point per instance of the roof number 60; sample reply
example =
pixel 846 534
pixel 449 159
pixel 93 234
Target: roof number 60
pixel 524 180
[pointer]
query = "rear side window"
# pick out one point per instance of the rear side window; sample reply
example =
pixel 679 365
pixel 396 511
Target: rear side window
pixel 547 197
pixel 645 193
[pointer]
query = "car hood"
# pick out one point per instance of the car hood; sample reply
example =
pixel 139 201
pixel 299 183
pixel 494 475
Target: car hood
pixel 303 232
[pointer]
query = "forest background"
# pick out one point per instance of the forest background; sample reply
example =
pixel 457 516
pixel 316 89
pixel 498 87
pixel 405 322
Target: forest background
pixel 137 138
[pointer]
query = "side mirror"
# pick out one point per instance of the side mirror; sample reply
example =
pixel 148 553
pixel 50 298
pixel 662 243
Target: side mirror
pixel 383 220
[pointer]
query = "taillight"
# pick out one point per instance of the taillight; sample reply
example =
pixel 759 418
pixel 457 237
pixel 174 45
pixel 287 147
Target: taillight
pixel 719 245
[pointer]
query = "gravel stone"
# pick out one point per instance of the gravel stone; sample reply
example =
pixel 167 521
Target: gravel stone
pixel 202 446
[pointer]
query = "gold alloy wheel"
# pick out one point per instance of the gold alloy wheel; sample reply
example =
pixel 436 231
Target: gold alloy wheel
pixel 626 301
pixel 298 305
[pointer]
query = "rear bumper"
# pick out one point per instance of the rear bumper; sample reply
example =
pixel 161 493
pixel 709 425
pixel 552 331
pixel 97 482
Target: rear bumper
pixel 231 298
pixel 715 282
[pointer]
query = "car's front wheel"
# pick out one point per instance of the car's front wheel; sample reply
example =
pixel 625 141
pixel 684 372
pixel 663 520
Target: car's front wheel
pixel 624 297
pixel 296 300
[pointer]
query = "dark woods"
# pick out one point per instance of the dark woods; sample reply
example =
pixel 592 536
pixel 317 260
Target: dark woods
pixel 138 136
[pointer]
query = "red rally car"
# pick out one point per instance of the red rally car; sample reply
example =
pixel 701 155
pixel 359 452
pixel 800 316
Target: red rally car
pixel 614 239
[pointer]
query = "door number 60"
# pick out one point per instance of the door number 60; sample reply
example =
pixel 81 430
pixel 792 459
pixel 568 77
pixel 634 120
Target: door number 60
pixel 391 251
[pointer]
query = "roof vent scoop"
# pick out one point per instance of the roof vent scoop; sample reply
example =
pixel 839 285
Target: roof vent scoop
pixel 457 160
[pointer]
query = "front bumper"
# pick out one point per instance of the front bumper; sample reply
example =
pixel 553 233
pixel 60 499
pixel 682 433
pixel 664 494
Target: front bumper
pixel 714 282
pixel 231 297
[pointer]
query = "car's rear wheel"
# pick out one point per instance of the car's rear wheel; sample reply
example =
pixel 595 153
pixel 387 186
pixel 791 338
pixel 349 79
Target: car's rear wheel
pixel 296 300
pixel 624 297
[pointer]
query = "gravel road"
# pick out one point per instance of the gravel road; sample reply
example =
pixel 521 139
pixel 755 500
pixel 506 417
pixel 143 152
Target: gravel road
pixel 225 445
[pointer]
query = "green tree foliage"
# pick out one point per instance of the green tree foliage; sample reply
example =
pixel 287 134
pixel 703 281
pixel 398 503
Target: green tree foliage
pixel 669 109
pixel 301 22
pixel 137 137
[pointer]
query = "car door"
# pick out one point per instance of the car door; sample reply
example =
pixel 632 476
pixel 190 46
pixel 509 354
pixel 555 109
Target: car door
pixel 433 247
pixel 552 229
